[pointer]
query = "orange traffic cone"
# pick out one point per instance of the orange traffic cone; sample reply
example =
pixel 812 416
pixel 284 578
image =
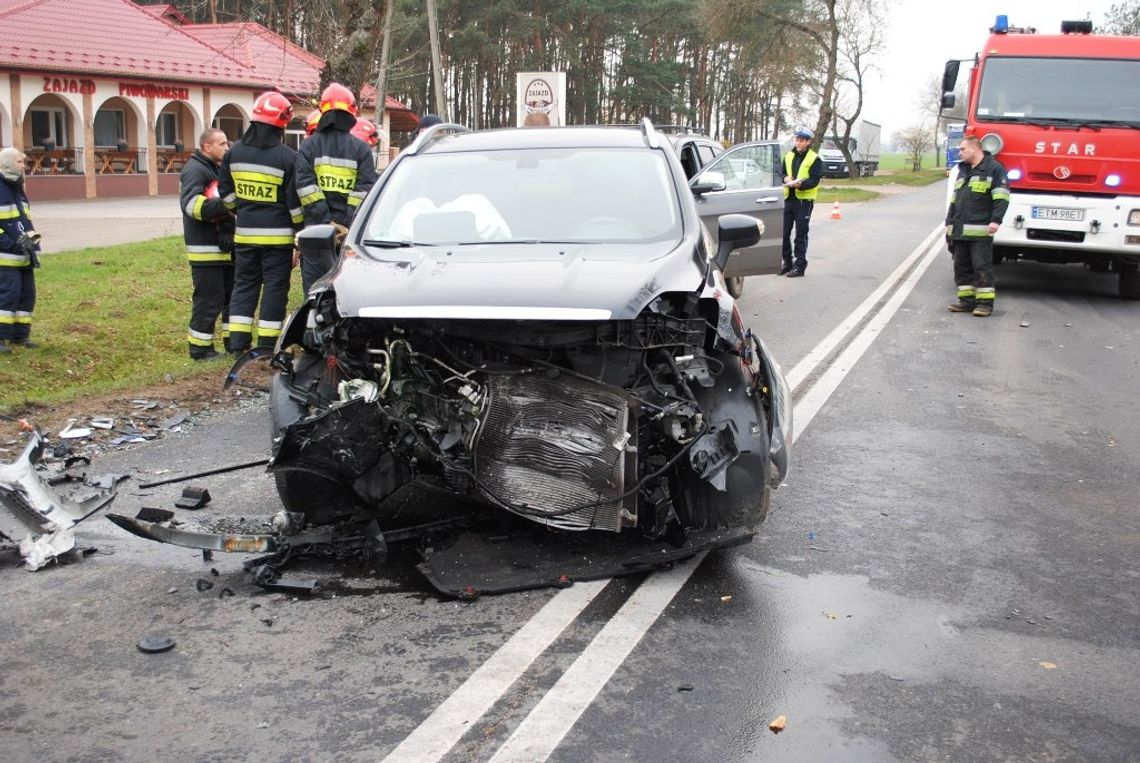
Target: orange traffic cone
pixel 835 211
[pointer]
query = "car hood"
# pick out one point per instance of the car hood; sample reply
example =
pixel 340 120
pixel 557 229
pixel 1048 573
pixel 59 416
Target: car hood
pixel 514 281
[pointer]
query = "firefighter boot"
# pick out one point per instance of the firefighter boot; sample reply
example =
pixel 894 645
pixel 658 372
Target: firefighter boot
pixel 984 310
pixel 961 306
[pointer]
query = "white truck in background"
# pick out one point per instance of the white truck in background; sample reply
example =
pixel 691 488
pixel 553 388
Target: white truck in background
pixel 864 144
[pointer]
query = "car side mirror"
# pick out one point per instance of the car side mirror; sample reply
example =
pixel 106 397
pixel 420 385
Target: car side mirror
pixel 707 182
pixel 316 240
pixel 948 100
pixel 735 232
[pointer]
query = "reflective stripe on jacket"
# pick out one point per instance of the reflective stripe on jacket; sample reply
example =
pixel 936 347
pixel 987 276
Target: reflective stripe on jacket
pixel 804 173
pixel 15 221
pixel 207 226
pixel 257 182
pixel 335 171
pixel 981 197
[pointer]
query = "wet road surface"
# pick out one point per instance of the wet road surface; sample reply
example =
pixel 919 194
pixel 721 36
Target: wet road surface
pixel 950 573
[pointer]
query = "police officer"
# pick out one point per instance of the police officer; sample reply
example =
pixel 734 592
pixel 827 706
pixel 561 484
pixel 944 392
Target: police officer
pixel 19 250
pixel 802 173
pixel 981 196
pixel 257 181
pixel 208 229
pixel 335 171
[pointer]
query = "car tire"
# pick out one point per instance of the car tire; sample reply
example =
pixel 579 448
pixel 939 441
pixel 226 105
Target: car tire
pixel 1130 283
pixel 745 501
pixel 735 286
pixel 1100 264
pixel 320 500
pixel 1000 254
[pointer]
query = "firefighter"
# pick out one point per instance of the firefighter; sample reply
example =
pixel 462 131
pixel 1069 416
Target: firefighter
pixel 311 122
pixel 802 173
pixel 335 171
pixel 257 182
pixel 366 130
pixel 19 253
pixel 981 196
pixel 208 229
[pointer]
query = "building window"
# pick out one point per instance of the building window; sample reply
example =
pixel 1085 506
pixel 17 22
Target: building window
pixel 233 127
pixel 110 127
pixel 49 124
pixel 166 131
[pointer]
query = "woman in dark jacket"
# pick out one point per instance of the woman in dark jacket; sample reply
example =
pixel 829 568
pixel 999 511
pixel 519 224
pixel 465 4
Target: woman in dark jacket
pixel 19 246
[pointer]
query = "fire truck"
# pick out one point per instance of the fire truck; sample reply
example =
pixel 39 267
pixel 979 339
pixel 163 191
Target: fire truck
pixel 1062 115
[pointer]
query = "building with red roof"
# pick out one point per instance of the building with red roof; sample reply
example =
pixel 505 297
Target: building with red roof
pixel 107 97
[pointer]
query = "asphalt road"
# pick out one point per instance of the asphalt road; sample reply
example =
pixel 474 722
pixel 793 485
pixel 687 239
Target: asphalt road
pixel 949 573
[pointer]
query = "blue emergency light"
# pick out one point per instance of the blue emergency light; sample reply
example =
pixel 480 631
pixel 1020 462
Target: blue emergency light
pixel 1001 25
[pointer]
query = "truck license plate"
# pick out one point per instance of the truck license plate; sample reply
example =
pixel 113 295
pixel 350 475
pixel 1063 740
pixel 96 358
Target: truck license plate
pixel 1058 213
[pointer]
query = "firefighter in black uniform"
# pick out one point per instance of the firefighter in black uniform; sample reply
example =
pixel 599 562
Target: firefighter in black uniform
pixel 981 196
pixel 19 253
pixel 257 182
pixel 335 171
pixel 208 229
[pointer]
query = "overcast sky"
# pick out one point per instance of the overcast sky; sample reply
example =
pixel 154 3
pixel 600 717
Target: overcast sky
pixel 922 35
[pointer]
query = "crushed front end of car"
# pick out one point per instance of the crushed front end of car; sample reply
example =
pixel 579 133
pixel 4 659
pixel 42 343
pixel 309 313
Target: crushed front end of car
pixel 526 357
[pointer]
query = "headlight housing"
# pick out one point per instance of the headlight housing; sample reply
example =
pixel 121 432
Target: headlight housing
pixel 1134 217
pixel 992 143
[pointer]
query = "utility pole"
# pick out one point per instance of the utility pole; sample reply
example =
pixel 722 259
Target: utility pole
pixel 436 64
pixel 382 77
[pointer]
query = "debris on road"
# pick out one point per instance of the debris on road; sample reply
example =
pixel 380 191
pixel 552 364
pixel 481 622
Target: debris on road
pixel 148 514
pixel 204 585
pixel 193 498
pixel 1048 665
pixel 778 723
pixel 1025 324
pixel 38 517
pixel 155 644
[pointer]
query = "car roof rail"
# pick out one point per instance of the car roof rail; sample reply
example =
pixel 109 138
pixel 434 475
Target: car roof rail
pixel 686 129
pixel 650 133
pixel 433 133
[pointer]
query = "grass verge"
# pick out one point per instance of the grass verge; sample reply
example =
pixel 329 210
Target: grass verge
pixel 831 193
pixel 899 177
pixel 107 319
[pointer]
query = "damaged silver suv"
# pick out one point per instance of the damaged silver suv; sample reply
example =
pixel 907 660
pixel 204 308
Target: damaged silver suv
pixel 530 326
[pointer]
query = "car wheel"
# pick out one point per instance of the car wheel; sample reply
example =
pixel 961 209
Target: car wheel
pixel 747 494
pixel 1130 283
pixel 1100 264
pixel 321 500
pixel 1001 253
pixel 735 286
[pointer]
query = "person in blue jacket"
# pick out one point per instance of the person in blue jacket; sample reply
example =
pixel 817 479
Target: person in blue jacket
pixel 19 254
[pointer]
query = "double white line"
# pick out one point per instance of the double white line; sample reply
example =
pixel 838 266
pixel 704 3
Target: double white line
pixel 543 729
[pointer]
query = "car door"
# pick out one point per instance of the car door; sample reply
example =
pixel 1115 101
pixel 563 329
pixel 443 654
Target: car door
pixel 753 185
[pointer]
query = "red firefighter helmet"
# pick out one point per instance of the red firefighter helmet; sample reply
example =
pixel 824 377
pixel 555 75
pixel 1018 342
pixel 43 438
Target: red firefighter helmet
pixel 366 130
pixel 272 108
pixel 311 121
pixel 337 96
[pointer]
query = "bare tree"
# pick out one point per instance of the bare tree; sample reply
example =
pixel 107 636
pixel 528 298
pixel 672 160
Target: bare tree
pixel 929 103
pixel 861 37
pixel 915 142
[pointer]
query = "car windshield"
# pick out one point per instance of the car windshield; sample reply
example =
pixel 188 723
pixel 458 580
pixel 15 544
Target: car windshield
pixel 1064 89
pixel 594 195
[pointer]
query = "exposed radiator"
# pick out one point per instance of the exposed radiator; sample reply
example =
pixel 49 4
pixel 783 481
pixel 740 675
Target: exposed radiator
pixel 551 444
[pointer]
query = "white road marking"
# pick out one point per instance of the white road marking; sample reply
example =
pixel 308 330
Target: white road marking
pixel 450 721
pixel 544 728
pixel 556 713
pixel 809 362
pixel 809 405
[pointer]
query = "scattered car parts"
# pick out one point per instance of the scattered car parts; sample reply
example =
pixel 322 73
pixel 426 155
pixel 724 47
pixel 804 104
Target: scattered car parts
pixel 38 517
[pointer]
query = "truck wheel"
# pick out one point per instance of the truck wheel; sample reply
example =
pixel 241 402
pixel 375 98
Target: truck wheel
pixel 735 286
pixel 1130 283
pixel 1100 264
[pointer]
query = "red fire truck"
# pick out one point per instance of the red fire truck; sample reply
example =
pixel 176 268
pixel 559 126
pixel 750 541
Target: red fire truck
pixel 1062 114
